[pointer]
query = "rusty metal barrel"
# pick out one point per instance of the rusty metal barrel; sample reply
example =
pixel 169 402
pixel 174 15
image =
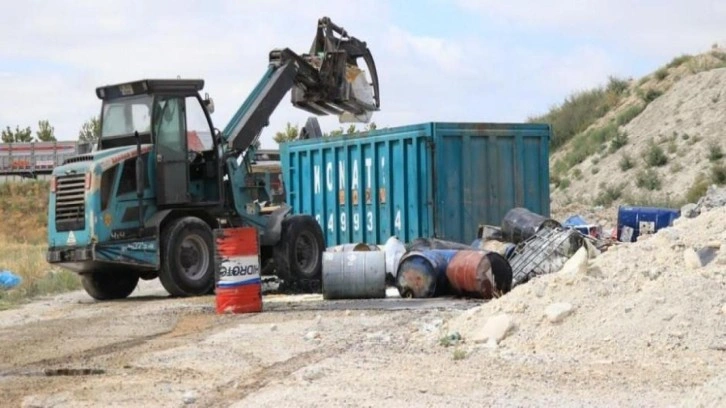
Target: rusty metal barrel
pixel 354 275
pixel 480 274
pixel 422 274
pixel 520 224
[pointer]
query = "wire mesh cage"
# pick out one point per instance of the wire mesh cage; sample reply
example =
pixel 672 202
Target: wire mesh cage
pixel 543 253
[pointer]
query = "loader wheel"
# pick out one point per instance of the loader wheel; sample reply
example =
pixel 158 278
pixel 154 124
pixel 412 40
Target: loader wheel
pixel 299 254
pixel 109 285
pixel 187 258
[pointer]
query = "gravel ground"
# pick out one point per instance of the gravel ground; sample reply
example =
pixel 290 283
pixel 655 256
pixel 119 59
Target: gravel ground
pixel 638 326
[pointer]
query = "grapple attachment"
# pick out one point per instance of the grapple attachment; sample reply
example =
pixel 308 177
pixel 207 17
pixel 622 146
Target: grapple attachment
pixel 341 87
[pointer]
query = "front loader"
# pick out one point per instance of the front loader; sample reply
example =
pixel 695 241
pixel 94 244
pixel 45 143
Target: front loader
pixel 145 203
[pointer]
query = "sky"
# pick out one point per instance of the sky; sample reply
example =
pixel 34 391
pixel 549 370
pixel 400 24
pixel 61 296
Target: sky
pixel 437 60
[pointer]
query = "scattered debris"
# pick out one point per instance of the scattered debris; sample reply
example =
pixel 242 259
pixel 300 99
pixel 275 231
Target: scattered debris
pixel 9 280
pixel 312 335
pixel 190 397
pixel 691 258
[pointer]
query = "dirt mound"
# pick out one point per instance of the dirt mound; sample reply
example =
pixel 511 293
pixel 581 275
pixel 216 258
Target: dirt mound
pixel 660 299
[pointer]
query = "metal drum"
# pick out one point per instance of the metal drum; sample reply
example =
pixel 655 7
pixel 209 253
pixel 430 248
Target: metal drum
pixel 238 287
pixel 422 274
pixel 354 275
pixel 520 224
pixel 350 247
pixel 479 274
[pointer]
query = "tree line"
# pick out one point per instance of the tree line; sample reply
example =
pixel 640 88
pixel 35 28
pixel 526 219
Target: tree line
pixel 89 132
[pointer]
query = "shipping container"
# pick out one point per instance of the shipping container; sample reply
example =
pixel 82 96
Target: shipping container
pixel 431 180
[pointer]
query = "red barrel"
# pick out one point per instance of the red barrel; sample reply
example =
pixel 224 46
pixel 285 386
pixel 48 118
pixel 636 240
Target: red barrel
pixel 479 274
pixel 237 270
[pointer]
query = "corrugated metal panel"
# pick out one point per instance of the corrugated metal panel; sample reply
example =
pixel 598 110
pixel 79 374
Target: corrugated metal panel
pixel 484 170
pixel 427 180
pixel 363 189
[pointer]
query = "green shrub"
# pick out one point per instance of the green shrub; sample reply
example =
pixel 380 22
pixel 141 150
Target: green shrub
pixel 698 189
pixel 661 74
pixel 629 114
pixel 677 61
pixel 595 170
pixel 718 174
pixel 609 194
pixel 616 85
pixel 649 95
pixel 564 183
pixel 654 156
pixel 577 174
pixel 648 179
pixel 620 140
pixel 576 114
pixel 715 153
pixel 626 163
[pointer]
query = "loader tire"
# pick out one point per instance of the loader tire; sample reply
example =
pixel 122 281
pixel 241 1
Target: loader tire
pixel 109 285
pixel 299 254
pixel 187 258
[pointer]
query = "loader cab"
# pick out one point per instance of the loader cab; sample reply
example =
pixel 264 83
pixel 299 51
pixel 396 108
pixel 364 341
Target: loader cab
pixel 171 115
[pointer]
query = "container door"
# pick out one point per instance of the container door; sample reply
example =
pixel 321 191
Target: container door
pixel 172 171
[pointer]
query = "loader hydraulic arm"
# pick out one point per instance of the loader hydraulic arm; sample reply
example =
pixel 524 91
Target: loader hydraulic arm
pixel 322 83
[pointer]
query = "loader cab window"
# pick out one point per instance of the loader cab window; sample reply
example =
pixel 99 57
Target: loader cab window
pixel 169 123
pixel 124 116
pixel 199 134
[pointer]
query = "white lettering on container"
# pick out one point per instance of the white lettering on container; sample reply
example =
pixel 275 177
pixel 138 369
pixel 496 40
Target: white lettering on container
pixel 329 176
pixel 354 183
pixel 369 225
pixel 397 222
pixel 383 171
pixel 341 175
pixel 342 221
pixel 316 170
pixel 369 164
pixel 331 222
pixel 356 222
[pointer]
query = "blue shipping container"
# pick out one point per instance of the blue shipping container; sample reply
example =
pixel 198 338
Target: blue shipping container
pixel 632 221
pixel 431 180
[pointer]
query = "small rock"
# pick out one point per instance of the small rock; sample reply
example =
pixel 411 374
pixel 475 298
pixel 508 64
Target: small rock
pixel 577 264
pixel 557 312
pixel 714 244
pixel 691 259
pixel 189 397
pixel 348 313
pixel 273 327
pixel 312 335
pixel 690 210
pixel 313 373
pixel 723 309
pixel 496 329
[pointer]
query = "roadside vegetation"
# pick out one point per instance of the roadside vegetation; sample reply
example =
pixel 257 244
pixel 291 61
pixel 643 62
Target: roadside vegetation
pixel 23 209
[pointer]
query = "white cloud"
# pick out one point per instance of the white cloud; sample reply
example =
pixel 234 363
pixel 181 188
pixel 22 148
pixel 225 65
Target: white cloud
pixel 647 27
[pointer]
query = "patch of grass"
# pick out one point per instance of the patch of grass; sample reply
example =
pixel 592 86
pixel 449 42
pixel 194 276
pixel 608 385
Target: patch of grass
pixel 24 211
pixel 650 95
pixel 648 179
pixel 654 156
pixel 564 183
pixel 715 152
pixel 652 199
pixel 620 140
pixel 626 162
pixel 451 339
pixel 459 354
pixel 39 278
pixel 718 174
pixel 577 174
pixel 719 55
pixel 609 194
pixel 685 136
pixel 661 74
pixel 672 147
pixel 629 114
pixel 678 61
pixel 698 189
pixel 595 170
pixel 695 139
pixel 617 85
pixel 578 112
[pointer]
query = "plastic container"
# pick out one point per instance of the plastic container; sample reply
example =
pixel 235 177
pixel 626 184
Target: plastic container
pixel 635 221
pixel 237 271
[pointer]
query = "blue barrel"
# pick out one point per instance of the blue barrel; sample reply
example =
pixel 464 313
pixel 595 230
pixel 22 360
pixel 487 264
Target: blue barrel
pixel 422 274
pixel 635 221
